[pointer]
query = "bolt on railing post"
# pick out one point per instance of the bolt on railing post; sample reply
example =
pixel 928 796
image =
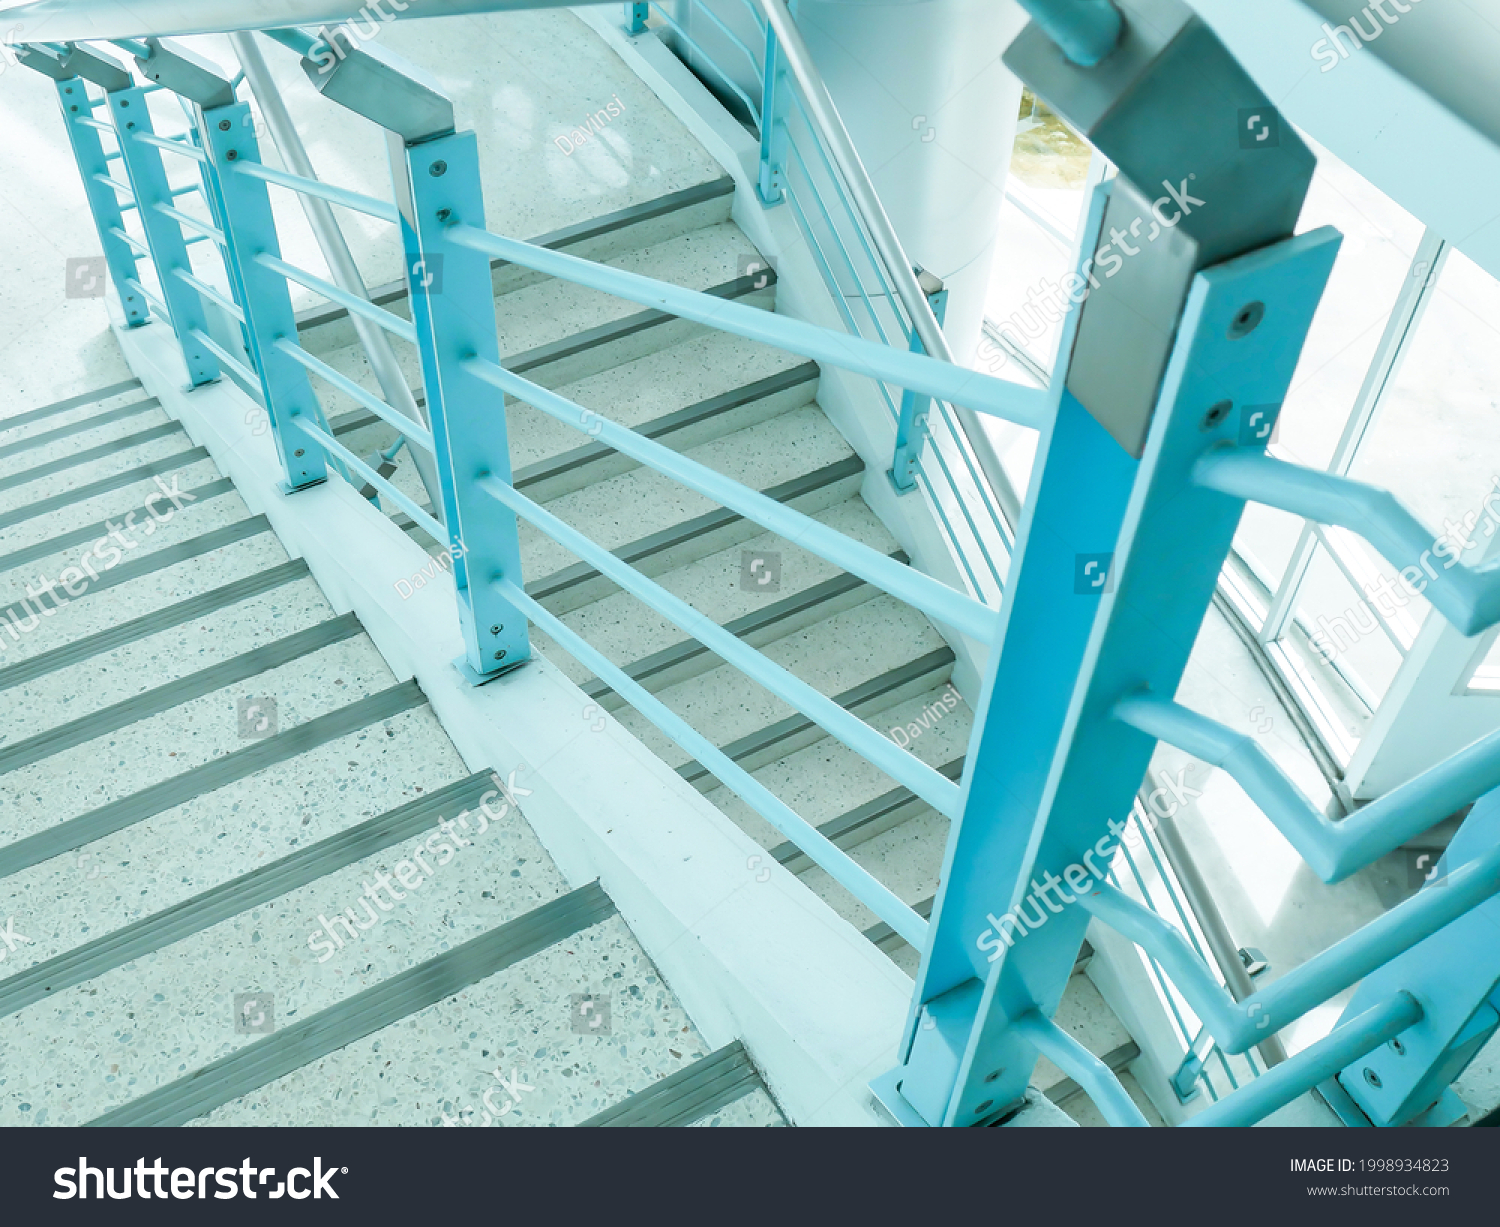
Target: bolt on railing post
pixel 911 427
pixel 244 206
pixel 775 95
pixel 169 252
pixel 635 18
pixel 104 202
pixel 453 307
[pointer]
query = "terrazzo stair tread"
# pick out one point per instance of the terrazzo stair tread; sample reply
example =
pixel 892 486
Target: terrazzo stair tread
pixel 167 1018
pixel 434 1066
pixel 50 546
pixel 687 658
pixel 92 957
pixel 625 629
pixel 552 458
pixel 21 490
pixel 202 843
pixel 907 859
pixel 109 498
pixel 29 468
pixel 16 753
pixel 596 239
pixel 97 428
pixel 164 584
pixel 553 324
pixel 756 1110
pixel 79 777
pixel 866 659
pixel 1081 1108
pixel 118 638
pixel 1084 1015
pixel 703 1088
pixel 97 823
pixel 69 409
pixel 192 521
pixel 837 789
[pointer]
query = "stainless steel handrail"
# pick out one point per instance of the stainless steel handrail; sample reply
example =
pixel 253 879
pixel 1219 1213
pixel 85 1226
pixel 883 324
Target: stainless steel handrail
pixel 829 127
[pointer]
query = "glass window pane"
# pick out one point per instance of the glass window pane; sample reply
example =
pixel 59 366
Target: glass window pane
pixel 1346 629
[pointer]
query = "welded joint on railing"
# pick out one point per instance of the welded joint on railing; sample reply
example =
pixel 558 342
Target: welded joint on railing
pixel 1088 1071
pixel 1468 597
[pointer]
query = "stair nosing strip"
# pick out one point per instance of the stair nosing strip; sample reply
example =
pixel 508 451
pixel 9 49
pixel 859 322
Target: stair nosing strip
pixel 74 833
pixel 381 1005
pixel 91 532
pixel 88 454
pixel 157 560
pixel 855 696
pixel 116 481
pixel 72 402
pixel 688 649
pixel 62 432
pixel 700 411
pixel 686 1096
pixel 112 637
pixel 797 487
pixel 229 899
pixel 839 826
pixel 182 690
pixel 556 240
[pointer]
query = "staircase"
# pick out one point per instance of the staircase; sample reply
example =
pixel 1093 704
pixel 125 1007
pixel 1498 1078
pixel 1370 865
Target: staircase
pixel 751 413
pixel 203 768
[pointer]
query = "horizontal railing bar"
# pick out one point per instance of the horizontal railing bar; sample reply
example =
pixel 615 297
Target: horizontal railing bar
pixel 1469 597
pixel 206 229
pixel 928 783
pixel 171 145
pixel 834 861
pixel 316 187
pixel 1012 402
pixel 290 36
pixel 922 592
pixel 1341 1047
pixel 1239 1025
pixel 121 189
pixel 156 303
pixel 407 504
pixel 1334 850
pixel 1088 1071
pixel 414 431
pixel 131 241
pixel 353 303
pixel 227 305
pixel 88 121
pixel 225 357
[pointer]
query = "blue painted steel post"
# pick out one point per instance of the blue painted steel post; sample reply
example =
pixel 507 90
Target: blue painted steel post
pixel 635 18
pixel 244 205
pixel 775 101
pixel 104 201
pixel 169 253
pixel 1117 562
pixel 911 426
pixel 453 307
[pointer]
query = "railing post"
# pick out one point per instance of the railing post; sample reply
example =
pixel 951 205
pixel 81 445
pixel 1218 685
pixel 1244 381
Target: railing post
pixel 635 18
pixel 244 206
pixel 775 97
pixel 911 426
pixel 104 201
pixel 453 307
pixel 169 253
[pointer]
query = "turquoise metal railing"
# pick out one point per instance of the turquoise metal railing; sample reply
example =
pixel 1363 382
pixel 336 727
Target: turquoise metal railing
pixel 1171 514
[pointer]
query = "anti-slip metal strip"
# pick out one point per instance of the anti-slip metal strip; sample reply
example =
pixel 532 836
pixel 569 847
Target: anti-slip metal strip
pixel 689 1095
pixel 300 1043
pixel 32 442
pixel 89 454
pixel 62 406
pixel 78 494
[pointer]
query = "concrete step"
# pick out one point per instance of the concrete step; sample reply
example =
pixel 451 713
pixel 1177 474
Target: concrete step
pixel 66 414
pixel 48 441
pixel 22 485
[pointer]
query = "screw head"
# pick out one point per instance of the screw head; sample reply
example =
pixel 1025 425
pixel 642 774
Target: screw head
pixel 299 451
pixel 231 156
pixel 496 629
pixel 500 655
pixel 1398 1047
pixel 1372 1078
pixel 223 125
pixel 74 107
pixel 984 1107
pixel 1246 320
pixel 124 102
pixel 444 214
pixel 1216 414
pixel 992 1077
pixel 130 127
pixel 438 169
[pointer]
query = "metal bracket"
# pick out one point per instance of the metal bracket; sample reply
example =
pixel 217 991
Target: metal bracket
pixel 76 61
pixel 371 81
pixel 185 73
